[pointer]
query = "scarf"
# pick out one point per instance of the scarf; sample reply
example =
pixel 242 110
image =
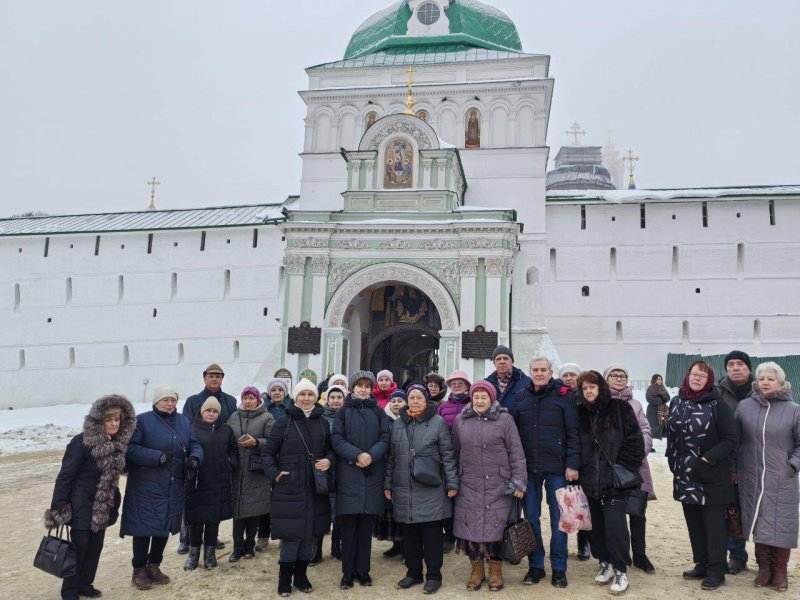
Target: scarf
pixel 743 391
pixel 688 394
pixel 502 382
pixel 415 415
pixel 625 395
pixel 658 390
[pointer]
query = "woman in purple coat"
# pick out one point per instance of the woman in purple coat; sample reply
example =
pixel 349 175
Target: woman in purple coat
pixel 492 469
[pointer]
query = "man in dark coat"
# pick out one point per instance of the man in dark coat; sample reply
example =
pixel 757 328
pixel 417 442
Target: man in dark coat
pixel 361 441
pixel 507 379
pixel 548 428
pixel 733 388
pixel 212 378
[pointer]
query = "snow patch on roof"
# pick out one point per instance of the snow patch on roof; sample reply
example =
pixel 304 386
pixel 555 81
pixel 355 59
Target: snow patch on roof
pixel 623 196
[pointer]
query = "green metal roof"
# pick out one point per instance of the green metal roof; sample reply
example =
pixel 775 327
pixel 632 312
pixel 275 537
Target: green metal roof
pixel 422 55
pixel 678 365
pixel 472 23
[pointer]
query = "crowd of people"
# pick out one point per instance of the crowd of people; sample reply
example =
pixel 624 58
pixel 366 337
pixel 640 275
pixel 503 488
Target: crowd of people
pixel 436 466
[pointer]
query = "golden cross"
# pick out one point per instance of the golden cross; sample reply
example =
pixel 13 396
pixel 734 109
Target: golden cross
pixel 410 99
pixel 153 184
pixel 631 160
pixel 575 131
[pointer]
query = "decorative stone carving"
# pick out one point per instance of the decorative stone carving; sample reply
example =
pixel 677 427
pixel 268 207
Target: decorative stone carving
pixel 342 270
pixel 352 244
pixel 447 271
pixel 376 274
pixel 481 243
pixel 401 127
pixel 468 266
pixel 319 264
pixel 495 266
pixel 295 264
pixel 437 244
pixel 394 244
pixel 510 267
pixel 309 243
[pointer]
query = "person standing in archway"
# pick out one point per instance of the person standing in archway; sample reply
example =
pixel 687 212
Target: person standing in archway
pixel 508 380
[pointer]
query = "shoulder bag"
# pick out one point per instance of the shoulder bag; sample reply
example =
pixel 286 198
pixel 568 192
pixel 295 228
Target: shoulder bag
pixel 425 470
pixel 57 555
pixel 323 480
pixel 518 538
pixel 622 476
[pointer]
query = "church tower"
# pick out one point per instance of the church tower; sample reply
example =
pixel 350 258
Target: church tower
pixel 421 213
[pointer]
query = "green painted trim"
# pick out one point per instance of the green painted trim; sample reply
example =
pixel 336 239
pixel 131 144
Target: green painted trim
pixel 480 293
pixel 308 287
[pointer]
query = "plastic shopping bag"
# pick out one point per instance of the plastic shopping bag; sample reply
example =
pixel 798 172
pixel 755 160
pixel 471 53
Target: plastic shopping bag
pixel 574 507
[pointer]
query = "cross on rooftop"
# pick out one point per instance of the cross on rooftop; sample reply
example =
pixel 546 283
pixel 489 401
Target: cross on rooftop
pixel 153 184
pixel 631 160
pixel 575 131
pixel 410 99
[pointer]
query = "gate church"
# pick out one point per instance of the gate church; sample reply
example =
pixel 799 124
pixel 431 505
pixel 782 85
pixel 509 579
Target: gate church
pixel 423 213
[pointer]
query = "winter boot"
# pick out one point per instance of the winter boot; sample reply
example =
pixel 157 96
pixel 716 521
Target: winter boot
pixel 192 558
pixel 336 543
pixel 317 554
pixel 495 575
pixel 477 577
pixel 301 581
pixel 764 560
pixel 154 573
pixel 286 570
pixel 209 557
pixel 395 550
pixel 780 579
pixel 140 580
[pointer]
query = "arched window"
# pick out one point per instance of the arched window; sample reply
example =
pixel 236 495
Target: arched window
pixel 423 114
pixel 372 116
pixel 585 291
pixel 472 136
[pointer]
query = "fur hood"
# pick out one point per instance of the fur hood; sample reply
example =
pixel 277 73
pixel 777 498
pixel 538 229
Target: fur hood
pixel 108 454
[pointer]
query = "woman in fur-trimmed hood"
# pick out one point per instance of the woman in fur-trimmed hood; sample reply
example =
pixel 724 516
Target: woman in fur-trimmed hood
pixel 86 495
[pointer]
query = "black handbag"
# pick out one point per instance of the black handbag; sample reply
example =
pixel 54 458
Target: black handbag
pixel 518 538
pixel 637 503
pixel 621 476
pixel 255 462
pixel 425 470
pixel 323 480
pixel 57 555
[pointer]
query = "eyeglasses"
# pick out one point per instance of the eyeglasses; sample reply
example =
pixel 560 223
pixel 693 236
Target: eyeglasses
pixel 699 375
pixel 618 377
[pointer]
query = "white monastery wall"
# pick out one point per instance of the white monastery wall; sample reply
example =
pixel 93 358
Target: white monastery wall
pixel 94 324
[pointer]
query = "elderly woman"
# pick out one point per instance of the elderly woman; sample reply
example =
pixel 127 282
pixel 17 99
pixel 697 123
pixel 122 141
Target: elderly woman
pixel 251 423
pixel 436 387
pixel 299 443
pixel 162 454
pixel 386 528
pixel 208 498
pixel 617 378
pixel 701 435
pixel 657 398
pixel 610 434
pixel 420 433
pixel 492 470
pixel 86 495
pixel 768 459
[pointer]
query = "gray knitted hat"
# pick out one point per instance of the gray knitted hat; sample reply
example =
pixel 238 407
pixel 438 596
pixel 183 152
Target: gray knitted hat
pixel 356 375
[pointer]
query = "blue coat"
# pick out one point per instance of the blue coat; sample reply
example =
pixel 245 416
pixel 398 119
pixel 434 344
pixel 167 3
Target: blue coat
pixel 227 404
pixel 278 410
pixel 155 493
pixel 360 426
pixel 509 398
pixel 548 428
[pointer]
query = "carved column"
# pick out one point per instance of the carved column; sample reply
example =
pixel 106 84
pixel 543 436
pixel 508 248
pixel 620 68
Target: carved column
pixel 441 164
pixel 370 174
pixel 425 177
pixel 295 266
pixel 495 266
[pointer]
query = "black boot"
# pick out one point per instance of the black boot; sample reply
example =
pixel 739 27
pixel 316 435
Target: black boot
pixel 336 543
pixel 285 572
pixel 317 554
pixel 209 557
pixel 395 550
pixel 192 558
pixel 301 581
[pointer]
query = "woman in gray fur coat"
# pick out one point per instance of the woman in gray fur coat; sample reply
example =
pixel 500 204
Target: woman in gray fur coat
pixel 86 495
pixel 767 462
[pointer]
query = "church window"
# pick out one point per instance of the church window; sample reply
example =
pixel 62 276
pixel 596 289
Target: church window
pixel 423 114
pixel 705 214
pixel 16 296
pixel 20 250
pixel 740 261
pixel 227 284
pixel 180 353
pixel 619 332
pixel 738 215
pixel 673 217
pixel 266 311
pixel 122 246
pixel 642 216
pixel 372 116
pixel 255 238
pixel 49 319
pixel 22 359
pixel 757 330
pixel 97 245
pixel 69 290
pixel 398 161
pixel 155 313
pixel 120 289
pixel 202 241
pixel 585 291
pixel 613 263
pixel 613 219
pixel 583 216
pixel 772 212
pixel 553 264
pixel 696 290
pixel 674 262
pixel 71 357
pixel 173 287
pixel 685 332
pixel 149 243
pixel 46 246
pixel 235 350
pixel 429 13
pixel 126 355
pixel 472 137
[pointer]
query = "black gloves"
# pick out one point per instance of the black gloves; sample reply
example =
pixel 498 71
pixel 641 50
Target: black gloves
pixel 164 458
pixel 192 467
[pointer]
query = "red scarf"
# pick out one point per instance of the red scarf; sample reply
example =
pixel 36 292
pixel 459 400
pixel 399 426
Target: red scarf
pixel 688 393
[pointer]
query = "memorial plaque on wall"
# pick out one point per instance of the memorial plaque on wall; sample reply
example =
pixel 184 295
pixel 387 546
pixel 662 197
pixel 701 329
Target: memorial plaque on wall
pixel 304 339
pixel 478 344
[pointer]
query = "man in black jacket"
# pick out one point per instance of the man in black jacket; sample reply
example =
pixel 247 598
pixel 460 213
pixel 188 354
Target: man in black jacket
pixel 548 428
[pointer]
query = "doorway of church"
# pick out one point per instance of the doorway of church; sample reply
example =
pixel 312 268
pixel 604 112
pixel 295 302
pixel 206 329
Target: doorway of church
pixel 403 333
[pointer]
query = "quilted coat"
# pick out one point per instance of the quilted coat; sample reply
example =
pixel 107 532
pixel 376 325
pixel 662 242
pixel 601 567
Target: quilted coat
pixel 769 451
pixel 251 489
pixel 208 498
pixel 491 467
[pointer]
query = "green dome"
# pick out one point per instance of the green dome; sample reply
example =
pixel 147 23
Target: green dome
pixel 472 23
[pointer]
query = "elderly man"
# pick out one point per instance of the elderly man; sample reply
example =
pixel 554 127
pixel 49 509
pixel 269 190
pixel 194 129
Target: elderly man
pixel 212 378
pixel 735 387
pixel 508 380
pixel 548 427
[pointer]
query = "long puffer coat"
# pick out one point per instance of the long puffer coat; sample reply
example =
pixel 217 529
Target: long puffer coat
pixel 701 428
pixel 298 512
pixel 491 466
pixel 612 424
pixel 209 496
pixel 251 489
pixel 155 493
pixel 360 426
pixel 429 435
pixel 769 436
pixel 86 494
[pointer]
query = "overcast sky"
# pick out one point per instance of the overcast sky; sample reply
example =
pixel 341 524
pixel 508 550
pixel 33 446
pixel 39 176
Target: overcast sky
pixel 96 97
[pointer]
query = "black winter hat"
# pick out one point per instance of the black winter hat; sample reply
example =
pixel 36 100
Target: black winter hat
pixel 739 355
pixel 503 350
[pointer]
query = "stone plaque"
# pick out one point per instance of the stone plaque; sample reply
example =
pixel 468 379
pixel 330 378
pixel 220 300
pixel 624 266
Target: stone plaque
pixel 304 339
pixel 478 343
pixel 283 374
